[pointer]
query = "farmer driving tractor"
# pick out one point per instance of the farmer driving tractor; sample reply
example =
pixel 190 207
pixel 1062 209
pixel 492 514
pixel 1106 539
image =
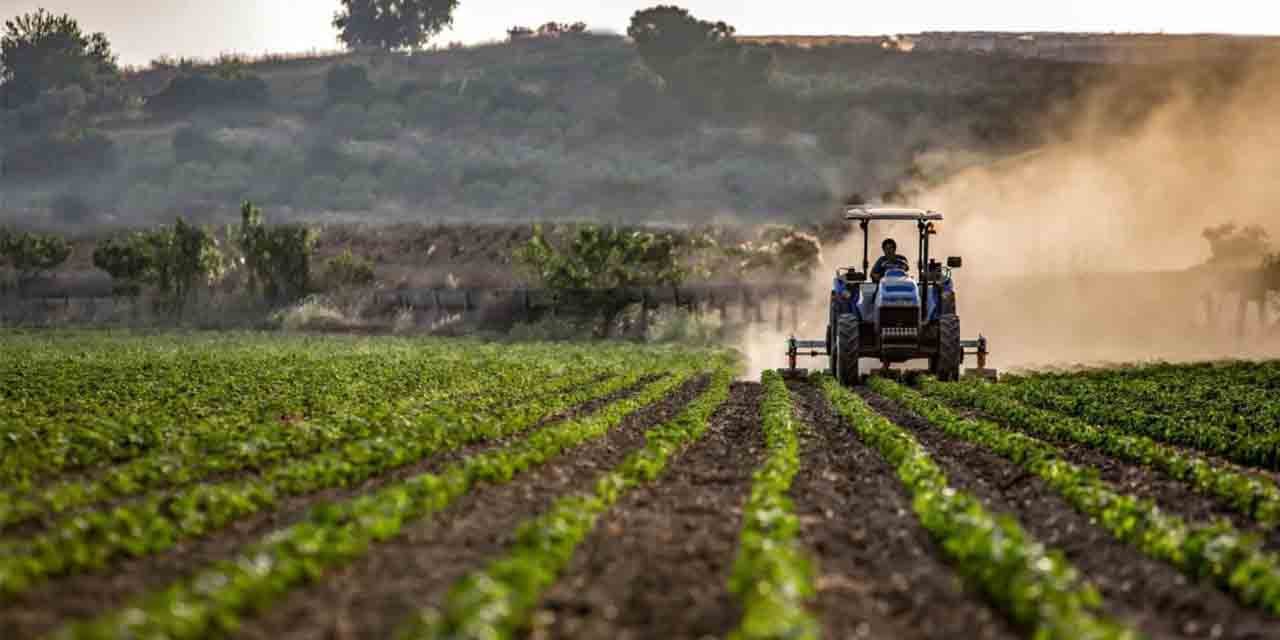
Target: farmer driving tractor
pixel 890 260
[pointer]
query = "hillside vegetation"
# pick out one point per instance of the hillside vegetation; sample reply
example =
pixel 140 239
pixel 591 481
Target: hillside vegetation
pixel 560 126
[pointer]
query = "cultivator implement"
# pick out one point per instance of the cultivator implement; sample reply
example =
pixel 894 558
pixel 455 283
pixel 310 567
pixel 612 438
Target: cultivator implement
pixel 797 349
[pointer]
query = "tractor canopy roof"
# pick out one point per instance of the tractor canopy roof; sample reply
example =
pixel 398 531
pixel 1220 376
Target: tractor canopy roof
pixel 862 213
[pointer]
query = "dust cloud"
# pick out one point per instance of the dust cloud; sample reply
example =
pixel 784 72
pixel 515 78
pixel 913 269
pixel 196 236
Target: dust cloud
pixel 1088 249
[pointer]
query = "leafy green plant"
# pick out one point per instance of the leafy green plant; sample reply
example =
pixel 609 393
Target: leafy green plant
pixel 211 601
pixel 771 575
pixel 496 601
pixel 1250 494
pixel 1236 562
pixel 1036 587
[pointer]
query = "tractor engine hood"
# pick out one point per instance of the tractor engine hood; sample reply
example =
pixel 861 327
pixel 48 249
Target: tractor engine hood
pixel 898 290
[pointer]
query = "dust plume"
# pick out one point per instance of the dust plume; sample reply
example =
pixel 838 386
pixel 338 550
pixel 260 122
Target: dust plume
pixel 1089 248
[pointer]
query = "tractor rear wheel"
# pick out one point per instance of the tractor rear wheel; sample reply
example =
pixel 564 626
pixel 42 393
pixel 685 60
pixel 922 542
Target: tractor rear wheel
pixel 847 344
pixel 946 365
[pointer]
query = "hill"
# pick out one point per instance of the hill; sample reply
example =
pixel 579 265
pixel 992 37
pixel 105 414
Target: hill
pixel 567 128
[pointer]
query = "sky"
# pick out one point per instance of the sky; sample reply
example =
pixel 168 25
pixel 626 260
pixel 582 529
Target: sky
pixel 142 30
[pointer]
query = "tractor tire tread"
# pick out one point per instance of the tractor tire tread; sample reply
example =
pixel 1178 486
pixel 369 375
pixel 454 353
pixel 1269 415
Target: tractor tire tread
pixel 847 347
pixel 950 353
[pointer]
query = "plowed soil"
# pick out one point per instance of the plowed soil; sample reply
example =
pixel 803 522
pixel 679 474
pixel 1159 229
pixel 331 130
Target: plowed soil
pixel 1152 595
pixel 880 574
pixel 88 594
pixel 369 598
pixel 657 565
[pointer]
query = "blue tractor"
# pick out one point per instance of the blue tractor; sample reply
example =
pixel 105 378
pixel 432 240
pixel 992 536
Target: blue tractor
pixel 890 316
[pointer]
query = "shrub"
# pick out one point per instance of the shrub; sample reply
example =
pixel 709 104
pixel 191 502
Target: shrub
pixel 191 92
pixel 83 151
pixel 348 83
pixel 195 144
pixel 348 270
pixel 277 258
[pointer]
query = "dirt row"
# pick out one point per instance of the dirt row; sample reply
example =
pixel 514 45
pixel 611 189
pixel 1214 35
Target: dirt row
pixel 89 594
pixel 1152 595
pixel 657 565
pixel 372 596
pixel 1172 495
pixel 881 575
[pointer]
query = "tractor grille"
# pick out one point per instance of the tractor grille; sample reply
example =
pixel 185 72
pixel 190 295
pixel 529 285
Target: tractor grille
pixel 899 326
pixel 899 317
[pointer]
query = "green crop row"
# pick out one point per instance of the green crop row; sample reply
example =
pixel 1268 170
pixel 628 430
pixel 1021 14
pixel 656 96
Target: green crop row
pixel 1239 398
pixel 73 410
pixel 1261 449
pixel 1036 588
pixel 496 601
pixel 256 447
pixel 1253 496
pixel 158 523
pixel 1236 562
pixel 771 577
pixel 211 602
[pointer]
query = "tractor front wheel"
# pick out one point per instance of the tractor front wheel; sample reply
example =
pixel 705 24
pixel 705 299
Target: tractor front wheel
pixel 946 365
pixel 847 345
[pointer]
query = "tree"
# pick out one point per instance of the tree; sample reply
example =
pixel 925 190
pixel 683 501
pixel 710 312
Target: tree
pixel 33 253
pixel 41 51
pixel 665 35
pixel 277 259
pixel 127 260
pixel 699 60
pixel 392 24
pixel 597 264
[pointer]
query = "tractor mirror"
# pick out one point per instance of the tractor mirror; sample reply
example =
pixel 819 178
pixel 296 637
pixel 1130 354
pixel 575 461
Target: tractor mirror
pixel 955 262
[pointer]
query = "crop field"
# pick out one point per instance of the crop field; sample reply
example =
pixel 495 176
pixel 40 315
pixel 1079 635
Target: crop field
pixel 259 486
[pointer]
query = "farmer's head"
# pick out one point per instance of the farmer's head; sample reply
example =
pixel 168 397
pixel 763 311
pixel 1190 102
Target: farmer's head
pixel 890 247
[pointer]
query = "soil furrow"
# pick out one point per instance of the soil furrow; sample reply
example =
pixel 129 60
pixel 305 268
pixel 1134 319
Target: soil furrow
pixel 880 574
pixel 1152 595
pixel 1172 495
pixel 657 564
pixel 38 525
pixel 89 594
pixel 371 597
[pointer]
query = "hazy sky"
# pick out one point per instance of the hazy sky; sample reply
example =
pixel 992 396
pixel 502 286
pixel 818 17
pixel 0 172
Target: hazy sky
pixel 144 29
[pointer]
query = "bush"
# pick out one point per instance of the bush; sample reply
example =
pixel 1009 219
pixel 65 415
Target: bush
pixel 84 151
pixel 277 258
pixel 348 270
pixel 191 92
pixel 348 83
pixel 195 144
